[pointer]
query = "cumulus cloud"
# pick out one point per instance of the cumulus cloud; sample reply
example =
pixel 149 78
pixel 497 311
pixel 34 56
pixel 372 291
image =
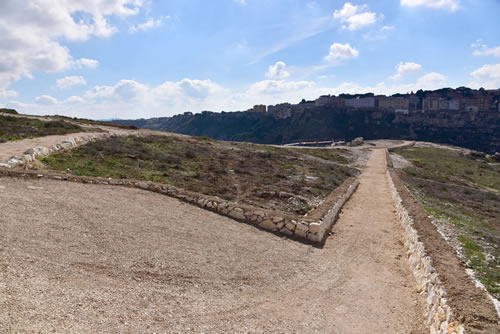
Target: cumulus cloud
pixel 341 52
pixel 278 71
pixel 278 86
pixel 132 99
pixel 354 17
pixel 149 24
pixel 86 63
pixel 31 33
pixel 69 82
pixel 126 91
pixel 484 50
pixel 487 76
pixel 431 80
pixel 406 68
pixel 45 100
pixel 450 5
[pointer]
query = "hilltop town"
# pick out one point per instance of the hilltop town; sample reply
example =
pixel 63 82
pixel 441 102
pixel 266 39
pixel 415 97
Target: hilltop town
pixel 460 99
pixel 462 116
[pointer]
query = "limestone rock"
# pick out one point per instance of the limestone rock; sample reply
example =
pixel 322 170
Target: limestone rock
pixel 268 225
pixel 315 228
pixel 237 214
pixel 300 233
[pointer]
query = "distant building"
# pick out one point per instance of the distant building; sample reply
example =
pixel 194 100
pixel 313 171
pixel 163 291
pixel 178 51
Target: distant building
pixel 482 102
pixel 472 108
pixel 360 102
pixel 430 104
pixel 330 101
pixel 402 111
pixel 283 110
pixel 445 104
pixel 259 108
pixel 413 102
pixel 393 103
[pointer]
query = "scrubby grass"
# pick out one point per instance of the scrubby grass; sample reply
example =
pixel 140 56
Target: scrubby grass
pixel 451 166
pixel 242 172
pixel 337 155
pixel 15 128
pixel 461 190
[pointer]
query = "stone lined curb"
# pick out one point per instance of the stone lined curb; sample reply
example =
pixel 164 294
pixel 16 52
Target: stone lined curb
pixel 313 228
pixel 41 151
pixel 440 318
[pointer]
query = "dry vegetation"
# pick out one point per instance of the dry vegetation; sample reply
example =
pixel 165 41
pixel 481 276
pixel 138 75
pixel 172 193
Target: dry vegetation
pixel 463 191
pixel 15 128
pixel 271 177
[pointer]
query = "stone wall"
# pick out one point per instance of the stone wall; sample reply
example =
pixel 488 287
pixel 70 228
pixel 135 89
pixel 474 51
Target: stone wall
pixel 440 318
pixel 40 151
pixel 313 228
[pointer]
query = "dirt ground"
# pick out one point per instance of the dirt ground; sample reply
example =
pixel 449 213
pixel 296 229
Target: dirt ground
pixel 87 258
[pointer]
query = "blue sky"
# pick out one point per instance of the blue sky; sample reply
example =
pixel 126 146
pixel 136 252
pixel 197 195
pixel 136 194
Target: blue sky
pixel 140 58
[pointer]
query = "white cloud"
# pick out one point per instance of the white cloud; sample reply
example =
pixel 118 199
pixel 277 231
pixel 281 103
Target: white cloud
pixel 69 82
pixel 278 71
pixel 487 76
pixel 379 34
pixel 431 80
pixel 126 91
pixel 354 17
pixel 132 99
pixel 74 99
pixel 484 50
pixel 31 33
pixel 86 63
pixel 149 24
pixel 406 68
pixel 341 51
pixel 450 5
pixel 45 100
pixel 278 86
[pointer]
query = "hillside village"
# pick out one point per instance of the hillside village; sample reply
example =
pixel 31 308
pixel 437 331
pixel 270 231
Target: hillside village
pixel 460 99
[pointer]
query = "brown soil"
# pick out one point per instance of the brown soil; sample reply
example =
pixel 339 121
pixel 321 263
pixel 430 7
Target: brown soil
pixel 90 258
pixel 470 304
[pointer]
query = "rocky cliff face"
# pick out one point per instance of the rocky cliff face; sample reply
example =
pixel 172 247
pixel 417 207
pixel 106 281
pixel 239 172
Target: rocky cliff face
pixel 475 130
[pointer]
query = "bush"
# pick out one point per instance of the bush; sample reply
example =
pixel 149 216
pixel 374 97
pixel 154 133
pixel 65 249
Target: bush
pixel 9 111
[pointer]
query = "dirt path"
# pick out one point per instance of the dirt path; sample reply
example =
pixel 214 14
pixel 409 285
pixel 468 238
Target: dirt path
pixel 87 258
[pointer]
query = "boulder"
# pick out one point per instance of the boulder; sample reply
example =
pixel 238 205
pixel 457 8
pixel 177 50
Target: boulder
pixel 356 141
pixel 268 225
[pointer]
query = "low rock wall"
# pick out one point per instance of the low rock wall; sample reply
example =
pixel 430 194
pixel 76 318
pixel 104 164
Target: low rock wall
pixel 440 317
pixel 41 151
pixel 313 228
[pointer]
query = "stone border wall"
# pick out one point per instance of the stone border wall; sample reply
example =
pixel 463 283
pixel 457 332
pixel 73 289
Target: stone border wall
pixel 41 151
pixel 313 228
pixel 440 318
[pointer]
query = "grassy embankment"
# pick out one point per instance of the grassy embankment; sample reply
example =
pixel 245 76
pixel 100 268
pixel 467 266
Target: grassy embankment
pixel 265 176
pixel 463 190
pixel 15 128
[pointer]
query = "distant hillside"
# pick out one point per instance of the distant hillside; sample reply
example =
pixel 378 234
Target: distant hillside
pixel 462 116
pixel 478 131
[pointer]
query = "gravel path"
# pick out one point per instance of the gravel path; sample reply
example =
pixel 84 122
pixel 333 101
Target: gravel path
pixel 78 258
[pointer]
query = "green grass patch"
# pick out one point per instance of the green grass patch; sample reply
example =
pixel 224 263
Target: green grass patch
pixel 461 190
pixel 451 166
